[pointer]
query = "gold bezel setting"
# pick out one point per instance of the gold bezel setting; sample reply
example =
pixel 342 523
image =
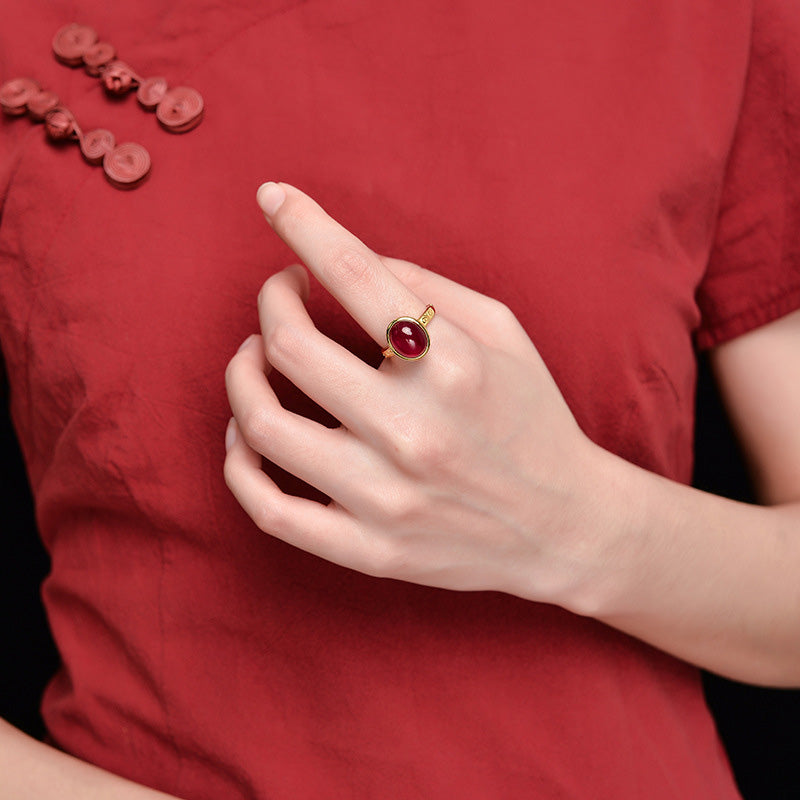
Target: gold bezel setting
pixel 420 324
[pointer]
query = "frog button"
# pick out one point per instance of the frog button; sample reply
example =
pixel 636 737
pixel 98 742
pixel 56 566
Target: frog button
pixel 118 78
pixel 71 42
pixel 97 57
pixel 60 124
pixel 127 165
pixel 180 110
pixel 151 92
pixel 96 144
pixel 42 102
pixel 14 95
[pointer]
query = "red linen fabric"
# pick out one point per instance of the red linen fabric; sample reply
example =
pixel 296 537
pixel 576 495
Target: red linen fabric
pixel 759 214
pixel 566 158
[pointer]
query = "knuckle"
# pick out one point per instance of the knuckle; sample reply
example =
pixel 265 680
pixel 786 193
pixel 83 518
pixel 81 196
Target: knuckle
pixel 266 518
pixel 349 266
pixel 236 371
pixel 230 370
pixel 462 373
pixel 267 288
pixel 228 473
pixel 281 343
pixel 419 451
pixel 404 440
pixel 387 558
pixel 501 312
pixel 395 504
pixel 437 455
pixel 412 275
pixel 263 292
pixel 256 425
pixel 504 319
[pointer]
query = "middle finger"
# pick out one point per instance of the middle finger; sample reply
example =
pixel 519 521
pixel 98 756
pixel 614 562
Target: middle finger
pixel 352 391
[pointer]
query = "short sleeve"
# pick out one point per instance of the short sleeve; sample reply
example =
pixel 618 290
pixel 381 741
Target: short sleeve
pixel 753 275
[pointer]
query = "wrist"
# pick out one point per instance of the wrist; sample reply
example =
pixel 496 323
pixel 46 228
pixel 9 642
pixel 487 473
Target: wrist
pixel 616 536
pixel 579 554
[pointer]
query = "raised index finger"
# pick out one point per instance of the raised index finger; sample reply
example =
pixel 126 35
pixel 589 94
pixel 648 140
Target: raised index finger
pixel 350 271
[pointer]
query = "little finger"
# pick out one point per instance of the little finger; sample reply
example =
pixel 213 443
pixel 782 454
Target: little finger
pixel 304 448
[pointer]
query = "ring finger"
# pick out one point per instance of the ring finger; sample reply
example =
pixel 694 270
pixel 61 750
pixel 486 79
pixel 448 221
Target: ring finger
pixel 352 391
pixel 305 448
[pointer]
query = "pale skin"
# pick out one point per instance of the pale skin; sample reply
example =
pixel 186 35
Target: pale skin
pixel 31 769
pixel 459 490
pixel 449 484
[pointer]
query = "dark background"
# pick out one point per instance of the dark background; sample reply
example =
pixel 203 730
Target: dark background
pixel 759 726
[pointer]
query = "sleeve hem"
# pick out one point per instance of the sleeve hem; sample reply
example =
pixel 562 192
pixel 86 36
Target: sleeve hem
pixel 749 319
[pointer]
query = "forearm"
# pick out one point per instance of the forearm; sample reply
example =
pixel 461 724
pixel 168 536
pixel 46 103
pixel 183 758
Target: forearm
pixel 32 769
pixel 710 580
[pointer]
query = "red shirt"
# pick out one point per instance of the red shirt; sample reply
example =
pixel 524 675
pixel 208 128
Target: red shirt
pixel 622 174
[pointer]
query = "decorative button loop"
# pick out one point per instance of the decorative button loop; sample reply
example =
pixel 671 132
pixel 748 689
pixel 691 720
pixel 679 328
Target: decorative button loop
pixel 179 109
pixel 125 165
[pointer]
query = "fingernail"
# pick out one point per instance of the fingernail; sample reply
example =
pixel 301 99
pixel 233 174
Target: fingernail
pixel 245 343
pixel 270 197
pixel 230 434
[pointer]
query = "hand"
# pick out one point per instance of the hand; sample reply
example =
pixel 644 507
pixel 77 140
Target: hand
pixel 463 470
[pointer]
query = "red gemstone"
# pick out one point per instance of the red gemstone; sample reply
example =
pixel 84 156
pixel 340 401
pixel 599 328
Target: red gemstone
pixel 408 338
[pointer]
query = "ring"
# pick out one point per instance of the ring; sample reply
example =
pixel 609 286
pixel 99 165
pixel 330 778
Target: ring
pixel 408 338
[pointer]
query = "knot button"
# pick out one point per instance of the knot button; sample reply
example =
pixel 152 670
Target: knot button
pixel 60 124
pixel 118 77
